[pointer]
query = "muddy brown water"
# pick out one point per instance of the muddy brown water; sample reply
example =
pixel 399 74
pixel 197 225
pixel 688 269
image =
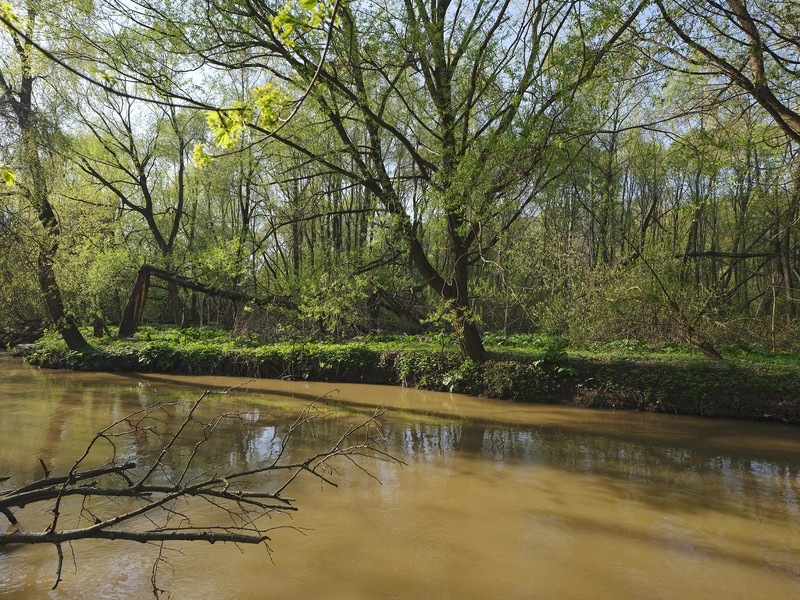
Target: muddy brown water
pixel 496 500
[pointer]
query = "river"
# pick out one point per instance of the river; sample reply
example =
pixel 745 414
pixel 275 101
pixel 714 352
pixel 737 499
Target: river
pixel 495 500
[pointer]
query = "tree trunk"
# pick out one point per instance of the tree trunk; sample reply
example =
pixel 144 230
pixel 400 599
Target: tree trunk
pixel 471 343
pixel 38 195
pixel 469 340
pixel 178 310
pixel 134 308
pixel 785 255
pixel 52 298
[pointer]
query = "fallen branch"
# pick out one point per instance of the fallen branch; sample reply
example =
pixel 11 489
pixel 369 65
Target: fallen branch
pixel 134 308
pixel 162 488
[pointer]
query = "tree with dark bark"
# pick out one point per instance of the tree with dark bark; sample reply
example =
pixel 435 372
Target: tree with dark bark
pixel 17 90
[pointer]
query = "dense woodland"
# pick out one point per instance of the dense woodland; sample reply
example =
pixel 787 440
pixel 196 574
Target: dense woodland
pixel 587 169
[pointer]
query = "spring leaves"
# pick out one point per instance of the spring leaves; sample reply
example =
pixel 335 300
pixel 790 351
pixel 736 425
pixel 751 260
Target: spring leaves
pixel 305 15
pixel 262 110
pixel 266 102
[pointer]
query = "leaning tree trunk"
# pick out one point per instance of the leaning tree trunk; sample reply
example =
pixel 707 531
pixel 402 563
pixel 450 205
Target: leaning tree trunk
pixel 45 266
pixel 53 300
pixel 38 195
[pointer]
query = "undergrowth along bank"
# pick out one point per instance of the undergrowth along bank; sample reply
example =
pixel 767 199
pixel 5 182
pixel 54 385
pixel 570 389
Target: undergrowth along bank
pixel 521 368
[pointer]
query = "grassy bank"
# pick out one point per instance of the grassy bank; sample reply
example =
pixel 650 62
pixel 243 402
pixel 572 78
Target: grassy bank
pixel 521 368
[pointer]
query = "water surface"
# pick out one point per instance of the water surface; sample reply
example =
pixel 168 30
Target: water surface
pixel 495 501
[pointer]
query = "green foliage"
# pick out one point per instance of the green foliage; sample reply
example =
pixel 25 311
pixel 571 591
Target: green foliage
pixel 302 15
pixel 200 157
pixel 226 126
pixel 537 342
pixel 751 384
pixel 463 377
pixel 338 304
pixel 575 222
pixel 7 13
pixel 219 262
pixel 21 308
pixel 269 99
pixel 426 369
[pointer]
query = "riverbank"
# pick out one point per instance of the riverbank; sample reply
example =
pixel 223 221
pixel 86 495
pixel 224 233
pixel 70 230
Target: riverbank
pixel 522 368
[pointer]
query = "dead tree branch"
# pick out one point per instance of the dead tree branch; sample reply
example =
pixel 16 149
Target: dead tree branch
pixel 134 308
pixel 154 498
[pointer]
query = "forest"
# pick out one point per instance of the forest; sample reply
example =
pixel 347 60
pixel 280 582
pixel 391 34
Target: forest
pixel 327 169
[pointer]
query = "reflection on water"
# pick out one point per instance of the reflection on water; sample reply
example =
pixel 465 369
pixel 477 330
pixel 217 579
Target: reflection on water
pixel 668 478
pixel 495 500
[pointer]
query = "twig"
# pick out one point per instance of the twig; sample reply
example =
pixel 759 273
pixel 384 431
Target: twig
pixel 235 496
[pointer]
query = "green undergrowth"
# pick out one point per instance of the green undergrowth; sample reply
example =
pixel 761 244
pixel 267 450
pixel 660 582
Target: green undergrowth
pixel 621 374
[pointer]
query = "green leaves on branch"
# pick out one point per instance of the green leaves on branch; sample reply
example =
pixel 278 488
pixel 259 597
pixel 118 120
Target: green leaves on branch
pixel 301 15
pixel 284 23
pixel 448 314
pixel 7 13
pixel 104 75
pixel 269 99
pixel 200 157
pixel 266 101
pixel 227 125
